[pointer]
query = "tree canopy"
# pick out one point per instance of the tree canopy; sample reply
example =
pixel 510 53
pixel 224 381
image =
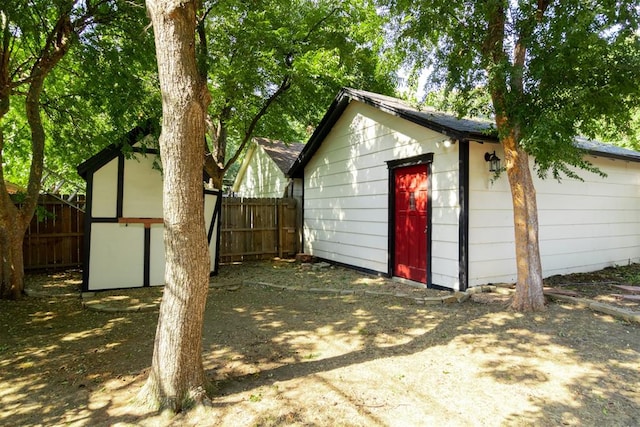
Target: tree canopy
pixel 35 37
pixel 272 68
pixel 568 68
pixel 105 85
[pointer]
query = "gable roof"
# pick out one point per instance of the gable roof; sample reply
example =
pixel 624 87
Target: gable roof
pixel 110 152
pixel 282 154
pixel 444 123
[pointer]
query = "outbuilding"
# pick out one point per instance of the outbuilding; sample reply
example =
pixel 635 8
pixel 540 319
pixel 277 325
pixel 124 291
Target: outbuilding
pixel 263 172
pixel 408 192
pixel 124 231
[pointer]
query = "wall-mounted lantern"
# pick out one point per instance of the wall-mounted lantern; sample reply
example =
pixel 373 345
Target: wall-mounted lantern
pixel 494 161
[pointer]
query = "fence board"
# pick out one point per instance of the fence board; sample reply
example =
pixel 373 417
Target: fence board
pixel 257 229
pixel 250 229
pixel 58 240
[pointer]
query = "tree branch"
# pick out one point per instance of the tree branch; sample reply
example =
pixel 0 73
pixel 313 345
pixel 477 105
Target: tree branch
pixel 206 12
pixel 203 50
pixel 521 46
pixel 493 50
pixel 317 24
pixel 284 86
pixel 56 46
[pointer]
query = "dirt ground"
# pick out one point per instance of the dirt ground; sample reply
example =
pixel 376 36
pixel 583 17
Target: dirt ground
pixel 299 358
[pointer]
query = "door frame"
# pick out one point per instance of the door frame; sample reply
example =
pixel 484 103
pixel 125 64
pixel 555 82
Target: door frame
pixel 392 165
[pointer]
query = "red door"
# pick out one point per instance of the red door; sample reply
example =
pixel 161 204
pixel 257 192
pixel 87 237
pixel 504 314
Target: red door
pixel 410 250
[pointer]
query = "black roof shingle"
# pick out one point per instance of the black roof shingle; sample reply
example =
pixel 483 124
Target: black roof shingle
pixel 445 123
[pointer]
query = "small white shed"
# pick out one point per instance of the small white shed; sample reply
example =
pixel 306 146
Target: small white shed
pixel 408 193
pixel 263 172
pixel 124 231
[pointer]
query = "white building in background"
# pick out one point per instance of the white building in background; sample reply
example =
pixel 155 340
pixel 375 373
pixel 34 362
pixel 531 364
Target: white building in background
pixel 263 172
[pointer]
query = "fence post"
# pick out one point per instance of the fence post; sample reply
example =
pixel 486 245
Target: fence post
pixel 280 228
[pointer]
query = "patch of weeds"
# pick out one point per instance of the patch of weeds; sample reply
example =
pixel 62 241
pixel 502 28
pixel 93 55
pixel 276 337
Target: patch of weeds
pixel 365 332
pixel 255 397
pixel 633 279
pixel 311 356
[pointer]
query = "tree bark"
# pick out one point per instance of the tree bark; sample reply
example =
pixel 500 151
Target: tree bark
pixel 12 277
pixel 528 295
pixel 177 377
pixel 12 284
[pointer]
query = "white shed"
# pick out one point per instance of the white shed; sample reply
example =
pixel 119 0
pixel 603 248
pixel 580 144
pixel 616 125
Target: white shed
pixel 123 240
pixel 408 193
pixel 263 172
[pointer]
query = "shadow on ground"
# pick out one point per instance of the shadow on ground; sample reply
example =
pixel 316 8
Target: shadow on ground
pixel 285 358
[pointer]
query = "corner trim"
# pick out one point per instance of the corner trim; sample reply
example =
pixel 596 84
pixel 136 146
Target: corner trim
pixel 146 281
pixel 87 232
pixel 217 214
pixel 120 193
pixel 463 216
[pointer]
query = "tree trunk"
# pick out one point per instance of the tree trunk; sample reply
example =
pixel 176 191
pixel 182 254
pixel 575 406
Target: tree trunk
pixel 14 221
pixel 11 237
pixel 177 377
pixel 528 295
pixel 215 162
pixel 215 172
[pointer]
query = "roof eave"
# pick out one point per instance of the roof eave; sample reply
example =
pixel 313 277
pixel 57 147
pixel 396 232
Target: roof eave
pixel 614 156
pixel 105 155
pixel 340 103
pixel 332 115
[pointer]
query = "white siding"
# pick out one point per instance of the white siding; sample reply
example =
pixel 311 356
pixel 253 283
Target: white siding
pixel 261 177
pixel 117 255
pixel 105 191
pixel 142 193
pixel 297 189
pixel 346 200
pixel 584 225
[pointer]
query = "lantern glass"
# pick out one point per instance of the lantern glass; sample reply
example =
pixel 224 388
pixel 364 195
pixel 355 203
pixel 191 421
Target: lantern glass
pixel 493 160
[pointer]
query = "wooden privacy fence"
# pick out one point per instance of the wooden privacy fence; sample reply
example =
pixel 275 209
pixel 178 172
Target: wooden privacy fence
pixel 56 241
pixel 250 229
pixel 257 229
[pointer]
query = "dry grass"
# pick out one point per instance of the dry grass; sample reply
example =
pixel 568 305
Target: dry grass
pixel 306 359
